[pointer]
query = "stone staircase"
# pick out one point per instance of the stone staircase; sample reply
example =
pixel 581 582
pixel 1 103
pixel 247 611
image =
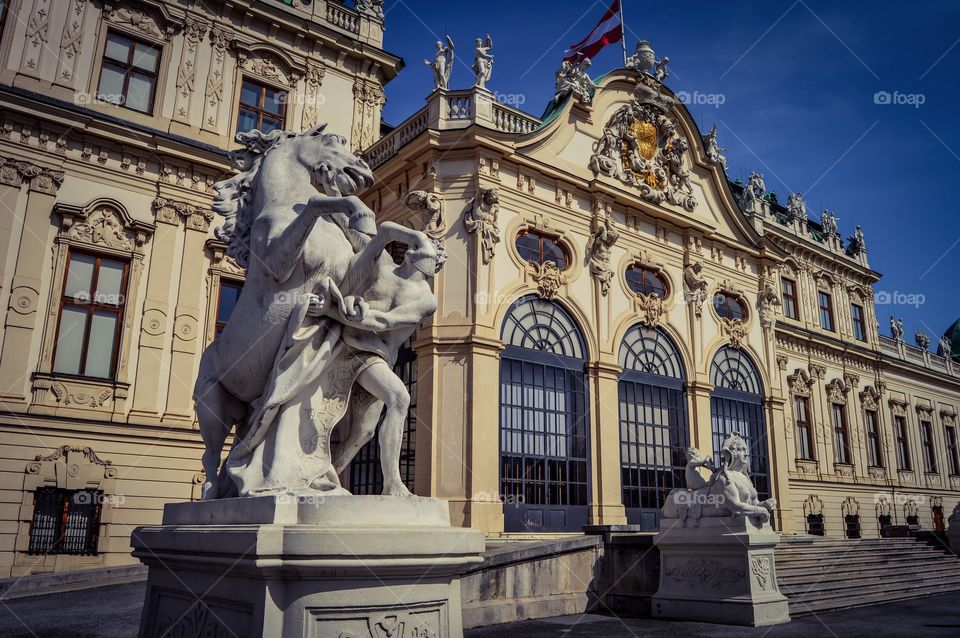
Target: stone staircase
pixel 822 574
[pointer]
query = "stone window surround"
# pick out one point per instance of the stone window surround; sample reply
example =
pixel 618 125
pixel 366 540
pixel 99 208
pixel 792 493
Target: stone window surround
pixel 222 267
pixel 241 75
pixel 656 269
pixel 127 243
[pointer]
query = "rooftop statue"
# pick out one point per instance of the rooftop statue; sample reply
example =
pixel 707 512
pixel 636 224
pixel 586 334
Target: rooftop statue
pixel 713 149
pixel 796 207
pixel 483 61
pixel 896 328
pixel 370 7
pixel 944 346
pixel 828 221
pixel 728 492
pixel 644 60
pixel 856 244
pixel 752 192
pixel 442 64
pixel 316 329
pixel 572 79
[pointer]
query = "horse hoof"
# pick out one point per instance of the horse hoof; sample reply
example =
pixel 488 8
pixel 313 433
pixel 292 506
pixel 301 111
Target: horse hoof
pixel 209 491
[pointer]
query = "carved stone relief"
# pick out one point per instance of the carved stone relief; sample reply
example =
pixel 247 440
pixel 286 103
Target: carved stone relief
pixel 481 218
pixel 547 277
pixel 368 99
pixel 213 92
pixel 193 33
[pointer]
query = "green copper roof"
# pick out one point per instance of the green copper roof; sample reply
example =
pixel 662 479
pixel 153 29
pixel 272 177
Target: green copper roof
pixel 953 334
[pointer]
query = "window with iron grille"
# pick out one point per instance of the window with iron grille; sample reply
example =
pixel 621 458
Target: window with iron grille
pixel 826 310
pixel 736 405
pixel 815 524
pixel 654 435
pixel 227 299
pixel 804 430
pixel 366 476
pixel 841 438
pixel 859 325
pixel 903 444
pixel 885 520
pixel 913 519
pixel 851 525
pixel 538 248
pixel 65 521
pixel 128 75
pixel 544 449
pixel 262 107
pixel 645 281
pixel 788 288
pixel 929 449
pixel 953 454
pixel 91 315
pixel 874 446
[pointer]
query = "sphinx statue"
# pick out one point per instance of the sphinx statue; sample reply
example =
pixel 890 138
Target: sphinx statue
pixel 728 492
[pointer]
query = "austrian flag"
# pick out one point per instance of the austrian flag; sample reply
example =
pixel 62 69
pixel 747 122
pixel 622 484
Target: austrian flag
pixel 608 31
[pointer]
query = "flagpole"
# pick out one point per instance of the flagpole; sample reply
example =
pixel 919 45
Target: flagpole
pixel 623 35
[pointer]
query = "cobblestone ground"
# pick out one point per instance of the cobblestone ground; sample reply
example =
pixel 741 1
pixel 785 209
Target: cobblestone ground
pixel 114 612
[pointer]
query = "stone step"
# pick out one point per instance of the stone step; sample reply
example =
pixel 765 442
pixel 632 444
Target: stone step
pixel 891 551
pixel 853 546
pixel 845 562
pixel 814 589
pixel 799 607
pixel 866 574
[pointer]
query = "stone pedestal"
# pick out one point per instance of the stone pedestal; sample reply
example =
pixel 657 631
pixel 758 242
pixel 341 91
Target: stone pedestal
pixel 722 570
pixel 338 566
pixel 953 536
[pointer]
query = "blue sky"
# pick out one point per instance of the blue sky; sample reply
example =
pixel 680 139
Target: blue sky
pixel 798 81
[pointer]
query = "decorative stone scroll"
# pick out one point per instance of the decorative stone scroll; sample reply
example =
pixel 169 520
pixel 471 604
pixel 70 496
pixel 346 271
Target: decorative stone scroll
pixel 642 148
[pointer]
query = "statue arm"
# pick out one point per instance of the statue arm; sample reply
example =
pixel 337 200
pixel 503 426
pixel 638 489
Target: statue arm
pixel 404 315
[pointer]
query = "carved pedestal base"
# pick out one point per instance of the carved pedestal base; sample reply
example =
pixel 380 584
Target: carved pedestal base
pixel 722 571
pixel 340 566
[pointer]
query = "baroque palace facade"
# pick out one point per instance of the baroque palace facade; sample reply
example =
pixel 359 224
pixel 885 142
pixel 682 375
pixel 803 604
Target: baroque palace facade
pixel 608 298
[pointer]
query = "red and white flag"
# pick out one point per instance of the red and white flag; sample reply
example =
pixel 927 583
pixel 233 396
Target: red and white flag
pixel 607 31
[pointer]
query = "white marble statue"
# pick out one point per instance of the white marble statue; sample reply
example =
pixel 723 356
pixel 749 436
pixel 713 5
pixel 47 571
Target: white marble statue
pixel 796 207
pixel 856 244
pixel 728 492
pixel 483 61
pixel 896 328
pixel 944 346
pixel 442 65
pixel 922 339
pixel 370 7
pixel 753 192
pixel 572 79
pixel 660 72
pixel 481 218
pixel 317 327
pixel 828 221
pixel 713 149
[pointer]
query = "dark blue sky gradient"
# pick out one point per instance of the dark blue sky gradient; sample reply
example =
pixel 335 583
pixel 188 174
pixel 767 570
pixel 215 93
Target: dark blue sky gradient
pixel 798 81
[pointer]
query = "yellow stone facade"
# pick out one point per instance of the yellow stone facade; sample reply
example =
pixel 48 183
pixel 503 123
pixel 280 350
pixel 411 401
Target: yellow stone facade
pixel 81 176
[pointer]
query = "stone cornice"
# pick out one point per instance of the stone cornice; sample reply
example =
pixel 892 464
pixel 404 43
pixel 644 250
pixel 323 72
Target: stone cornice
pixel 170 211
pixel 41 178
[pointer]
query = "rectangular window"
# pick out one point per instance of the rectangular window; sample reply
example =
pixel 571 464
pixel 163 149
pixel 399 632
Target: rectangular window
pixel 65 521
pixel 953 454
pixel 91 315
pixel 788 288
pixel 874 448
pixel 851 525
pixel 826 310
pixel 804 432
pixel 929 450
pixel 859 325
pixel 227 301
pixel 841 440
pixel 261 107
pixel 128 76
pixel 815 524
pixel 903 445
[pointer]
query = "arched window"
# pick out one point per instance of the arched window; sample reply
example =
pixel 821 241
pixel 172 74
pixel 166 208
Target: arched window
pixel 538 248
pixel 543 419
pixel 646 281
pixel 366 477
pixel 653 423
pixel 736 405
pixel 729 306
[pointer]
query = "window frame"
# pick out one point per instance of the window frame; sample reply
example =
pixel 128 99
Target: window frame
pixel 841 434
pixel 953 453
pixel 803 429
pixel 871 420
pixel 789 299
pixel 260 111
pixel 218 325
pixel 858 324
pixel 91 308
pixel 67 497
pixel 904 462
pixel 929 447
pixel 828 309
pixel 129 67
pixel 723 310
pixel 542 255
pixel 4 10
pixel 646 290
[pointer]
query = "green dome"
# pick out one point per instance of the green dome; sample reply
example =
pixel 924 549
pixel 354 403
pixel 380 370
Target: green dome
pixel 953 334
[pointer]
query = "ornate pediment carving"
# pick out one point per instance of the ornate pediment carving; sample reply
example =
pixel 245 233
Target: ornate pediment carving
pixel 548 278
pixel 102 224
pixel 837 391
pixel 642 148
pixel 734 330
pixel 267 65
pixel 800 382
pixel 870 398
pixel 146 22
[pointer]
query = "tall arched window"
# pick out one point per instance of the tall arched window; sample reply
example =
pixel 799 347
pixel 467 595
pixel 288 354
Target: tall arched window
pixel 544 474
pixel 736 405
pixel 366 477
pixel 653 423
